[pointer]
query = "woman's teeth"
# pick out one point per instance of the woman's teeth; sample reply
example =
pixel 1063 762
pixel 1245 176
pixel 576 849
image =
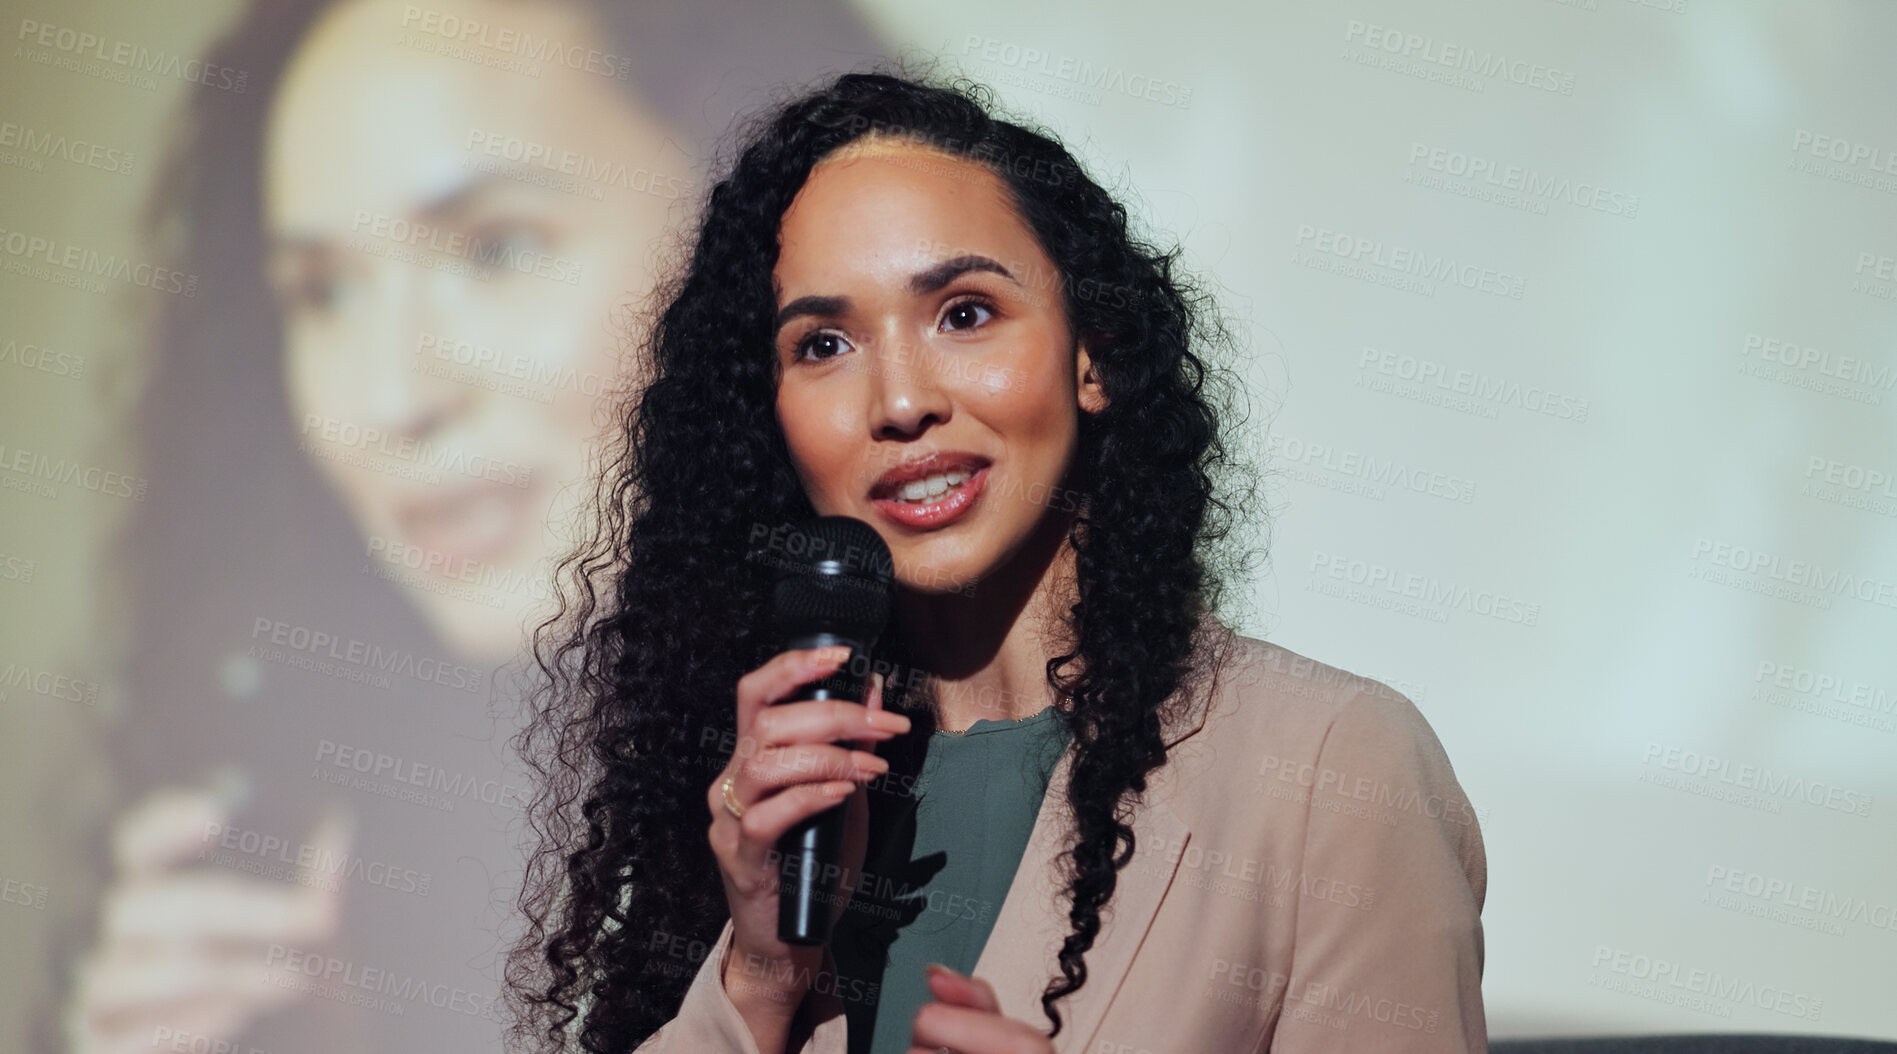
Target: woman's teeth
pixel 924 490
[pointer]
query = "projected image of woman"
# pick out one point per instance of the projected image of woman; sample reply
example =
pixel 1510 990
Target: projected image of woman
pixel 421 233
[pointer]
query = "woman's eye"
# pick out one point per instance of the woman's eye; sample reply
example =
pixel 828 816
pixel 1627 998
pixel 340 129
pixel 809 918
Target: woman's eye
pixel 309 295
pixel 966 315
pixel 502 243
pixel 821 345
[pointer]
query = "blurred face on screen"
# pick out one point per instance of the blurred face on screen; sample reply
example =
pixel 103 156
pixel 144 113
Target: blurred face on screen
pixel 452 245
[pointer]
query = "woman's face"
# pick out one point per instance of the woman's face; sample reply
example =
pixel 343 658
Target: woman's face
pixel 451 243
pixel 929 384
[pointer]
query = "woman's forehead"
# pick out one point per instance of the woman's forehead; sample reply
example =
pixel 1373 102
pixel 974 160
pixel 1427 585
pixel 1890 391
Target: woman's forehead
pixel 361 121
pixel 904 198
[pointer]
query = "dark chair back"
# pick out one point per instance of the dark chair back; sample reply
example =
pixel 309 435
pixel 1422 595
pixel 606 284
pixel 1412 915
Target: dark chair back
pixel 1695 1044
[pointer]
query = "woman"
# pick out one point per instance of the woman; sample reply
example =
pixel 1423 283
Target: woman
pixel 1135 831
pixel 419 554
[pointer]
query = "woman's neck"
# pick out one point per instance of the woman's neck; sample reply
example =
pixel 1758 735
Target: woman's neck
pixel 986 649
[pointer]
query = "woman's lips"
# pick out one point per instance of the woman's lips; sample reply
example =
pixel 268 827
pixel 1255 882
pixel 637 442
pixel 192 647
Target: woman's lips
pixel 479 523
pixel 946 508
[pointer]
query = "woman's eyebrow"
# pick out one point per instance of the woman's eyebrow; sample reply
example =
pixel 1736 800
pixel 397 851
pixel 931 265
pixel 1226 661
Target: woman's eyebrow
pixel 945 272
pixel 446 205
pixel 920 283
pixel 811 305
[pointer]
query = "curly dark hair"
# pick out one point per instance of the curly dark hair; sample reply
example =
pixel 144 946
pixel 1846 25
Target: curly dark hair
pixel 660 609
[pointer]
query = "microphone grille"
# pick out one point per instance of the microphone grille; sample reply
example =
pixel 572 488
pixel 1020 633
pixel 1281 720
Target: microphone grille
pixel 834 573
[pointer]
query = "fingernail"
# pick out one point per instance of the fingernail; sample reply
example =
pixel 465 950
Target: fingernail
pixel 940 969
pixel 833 653
pixel 888 720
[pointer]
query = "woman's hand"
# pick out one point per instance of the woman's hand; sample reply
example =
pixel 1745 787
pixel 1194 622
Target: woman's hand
pixel 966 1019
pixel 183 950
pixel 787 766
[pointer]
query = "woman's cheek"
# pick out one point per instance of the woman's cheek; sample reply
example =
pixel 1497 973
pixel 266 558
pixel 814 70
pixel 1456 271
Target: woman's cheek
pixel 327 412
pixel 804 434
pixel 324 414
pixel 301 387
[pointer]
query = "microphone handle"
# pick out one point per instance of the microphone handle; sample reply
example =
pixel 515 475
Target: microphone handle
pixel 810 853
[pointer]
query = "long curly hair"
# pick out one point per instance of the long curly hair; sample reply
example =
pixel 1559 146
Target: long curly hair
pixel 660 608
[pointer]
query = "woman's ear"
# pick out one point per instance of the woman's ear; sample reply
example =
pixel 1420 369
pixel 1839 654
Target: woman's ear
pixel 1092 394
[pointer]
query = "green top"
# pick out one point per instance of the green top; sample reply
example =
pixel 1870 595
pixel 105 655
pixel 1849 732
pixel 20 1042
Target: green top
pixel 938 865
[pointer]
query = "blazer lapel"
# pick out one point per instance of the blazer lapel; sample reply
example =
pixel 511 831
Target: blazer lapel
pixel 1021 954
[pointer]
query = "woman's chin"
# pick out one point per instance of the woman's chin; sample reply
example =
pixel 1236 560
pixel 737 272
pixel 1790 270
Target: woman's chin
pixel 935 579
pixel 483 638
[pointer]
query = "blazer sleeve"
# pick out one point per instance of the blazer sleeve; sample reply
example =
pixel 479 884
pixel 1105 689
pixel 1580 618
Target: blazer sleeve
pixel 708 1022
pixel 1387 950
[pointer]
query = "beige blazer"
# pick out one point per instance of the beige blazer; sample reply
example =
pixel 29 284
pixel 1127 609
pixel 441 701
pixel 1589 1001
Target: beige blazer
pixel 1308 878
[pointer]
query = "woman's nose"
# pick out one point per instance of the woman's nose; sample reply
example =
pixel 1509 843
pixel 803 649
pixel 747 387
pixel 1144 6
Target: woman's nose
pixel 407 391
pixel 906 391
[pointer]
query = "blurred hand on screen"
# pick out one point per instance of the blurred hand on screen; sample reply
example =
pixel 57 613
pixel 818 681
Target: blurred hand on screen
pixel 186 951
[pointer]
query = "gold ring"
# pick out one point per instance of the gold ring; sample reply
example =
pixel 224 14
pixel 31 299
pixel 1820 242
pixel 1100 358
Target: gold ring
pixel 731 804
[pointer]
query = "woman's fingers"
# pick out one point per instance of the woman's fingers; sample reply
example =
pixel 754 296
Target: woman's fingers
pixel 804 763
pixel 215 907
pixel 966 1018
pixel 765 822
pixel 782 675
pixel 876 716
pixel 207 1023
pixel 792 761
pixel 204 1023
pixel 209 905
pixel 819 720
pixel 759 779
pixel 969 1031
pixel 126 983
pixel 784 745
pixel 961 989
pixel 166 828
pixel 190 949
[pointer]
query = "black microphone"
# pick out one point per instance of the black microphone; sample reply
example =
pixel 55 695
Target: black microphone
pixel 835 585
